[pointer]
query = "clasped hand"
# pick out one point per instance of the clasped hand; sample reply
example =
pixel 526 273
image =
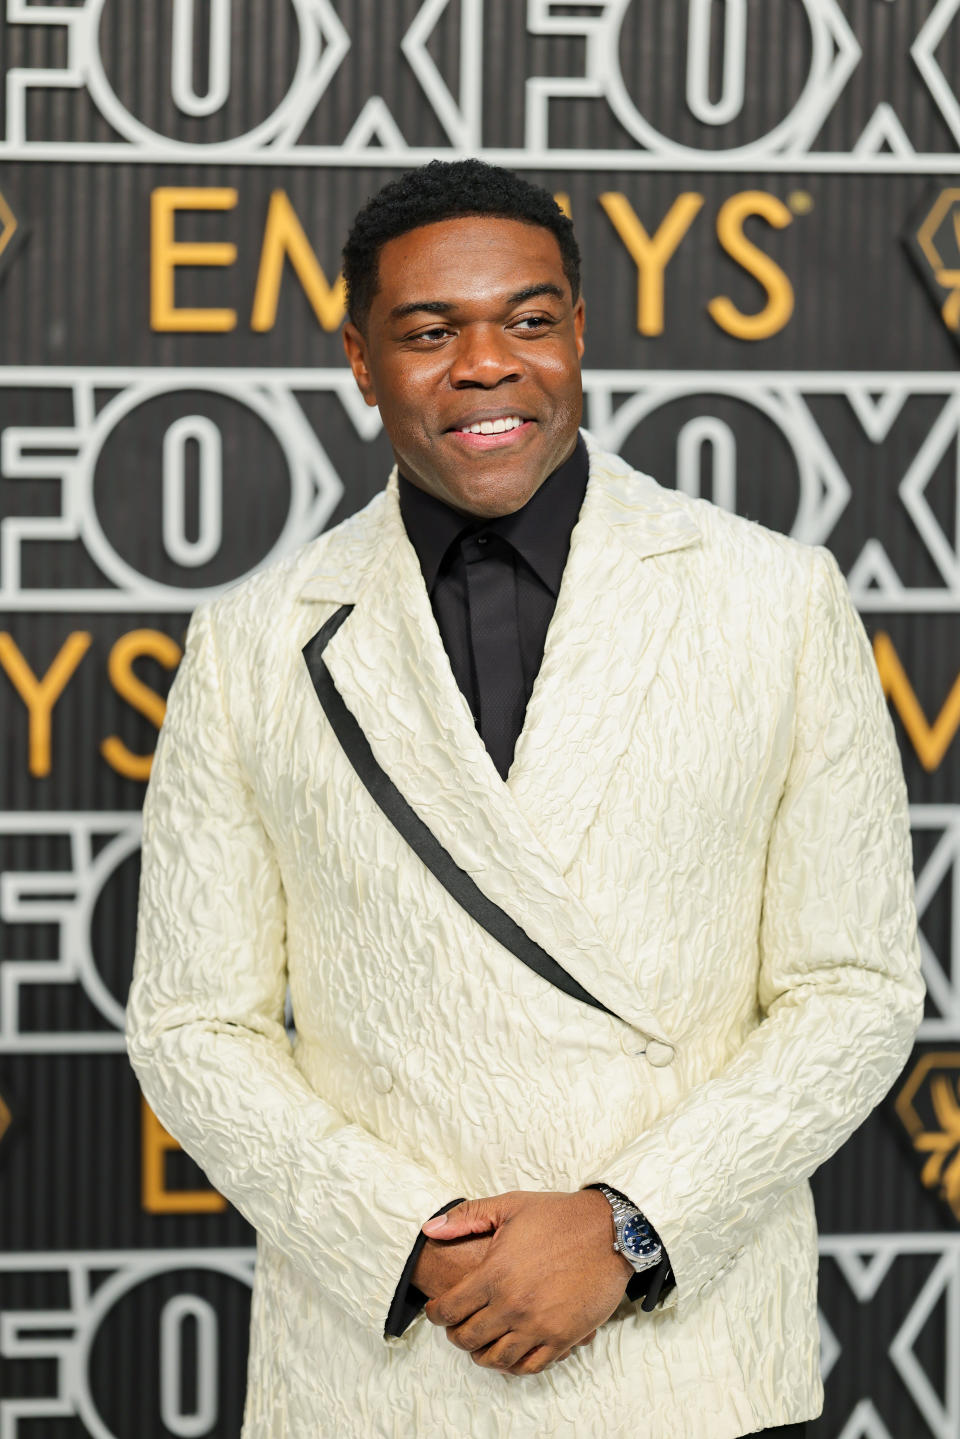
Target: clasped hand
pixel 532 1278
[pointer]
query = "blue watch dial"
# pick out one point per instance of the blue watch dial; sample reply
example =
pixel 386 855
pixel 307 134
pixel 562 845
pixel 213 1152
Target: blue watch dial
pixel 638 1238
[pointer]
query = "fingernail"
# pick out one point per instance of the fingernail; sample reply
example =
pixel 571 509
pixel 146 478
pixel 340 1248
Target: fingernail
pixel 440 1220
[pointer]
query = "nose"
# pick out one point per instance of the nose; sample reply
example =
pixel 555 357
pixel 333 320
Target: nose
pixel 483 357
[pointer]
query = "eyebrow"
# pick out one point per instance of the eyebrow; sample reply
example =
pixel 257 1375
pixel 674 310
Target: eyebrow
pixel 444 307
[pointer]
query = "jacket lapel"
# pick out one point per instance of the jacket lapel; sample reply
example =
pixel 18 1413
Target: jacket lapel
pixel 617 603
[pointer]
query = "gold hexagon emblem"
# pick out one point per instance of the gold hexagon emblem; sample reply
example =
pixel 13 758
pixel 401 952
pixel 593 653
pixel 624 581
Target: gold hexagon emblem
pixel 934 244
pixel 12 233
pixel 928 1107
pixel 8 223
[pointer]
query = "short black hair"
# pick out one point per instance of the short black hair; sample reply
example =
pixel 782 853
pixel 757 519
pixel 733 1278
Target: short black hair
pixel 447 190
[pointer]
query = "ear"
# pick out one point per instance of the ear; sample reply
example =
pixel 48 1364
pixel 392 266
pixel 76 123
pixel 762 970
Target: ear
pixel 356 348
pixel 579 316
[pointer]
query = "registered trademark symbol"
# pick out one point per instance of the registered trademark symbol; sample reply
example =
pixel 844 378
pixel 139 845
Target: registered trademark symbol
pixel 800 202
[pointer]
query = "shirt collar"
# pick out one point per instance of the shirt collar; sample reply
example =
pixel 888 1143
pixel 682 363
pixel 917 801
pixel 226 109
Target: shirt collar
pixel 539 530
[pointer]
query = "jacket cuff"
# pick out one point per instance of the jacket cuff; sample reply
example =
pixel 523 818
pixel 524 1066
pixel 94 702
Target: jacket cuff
pixel 408 1300
pixel 650 1285
pixel 653 1285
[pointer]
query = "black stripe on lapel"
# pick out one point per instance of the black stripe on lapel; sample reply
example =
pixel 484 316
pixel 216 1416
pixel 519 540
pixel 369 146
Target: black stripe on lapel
pixel 419 837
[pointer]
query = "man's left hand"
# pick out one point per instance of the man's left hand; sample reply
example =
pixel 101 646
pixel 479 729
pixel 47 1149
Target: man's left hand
pixel 549 1277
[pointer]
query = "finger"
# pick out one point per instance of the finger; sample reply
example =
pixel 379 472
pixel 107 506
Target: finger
pixel 460 1301
pixel 472 1216
pixel 480 1331
pixel 586 1338
pixel 535 1360
pixel 503 1353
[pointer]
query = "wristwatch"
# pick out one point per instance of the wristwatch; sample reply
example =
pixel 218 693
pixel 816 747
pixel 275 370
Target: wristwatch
pixel 636 1238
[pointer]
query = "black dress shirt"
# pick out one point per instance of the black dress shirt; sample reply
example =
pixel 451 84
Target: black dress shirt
pixel 536 540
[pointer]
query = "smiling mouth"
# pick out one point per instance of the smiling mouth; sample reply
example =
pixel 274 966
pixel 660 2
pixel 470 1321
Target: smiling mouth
pixel 498 433
pixel 502 425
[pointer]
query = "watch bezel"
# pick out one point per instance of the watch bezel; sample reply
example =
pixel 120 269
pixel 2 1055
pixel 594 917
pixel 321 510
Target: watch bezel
pixel 639 1262
pixel 623 1212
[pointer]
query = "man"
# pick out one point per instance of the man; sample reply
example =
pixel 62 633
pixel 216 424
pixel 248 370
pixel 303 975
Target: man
pixel 570 810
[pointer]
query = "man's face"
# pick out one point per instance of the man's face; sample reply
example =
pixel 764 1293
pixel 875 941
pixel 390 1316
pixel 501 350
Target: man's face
pixel 474 322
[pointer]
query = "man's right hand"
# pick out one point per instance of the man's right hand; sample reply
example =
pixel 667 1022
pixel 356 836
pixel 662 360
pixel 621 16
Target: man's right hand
pixel 441 1265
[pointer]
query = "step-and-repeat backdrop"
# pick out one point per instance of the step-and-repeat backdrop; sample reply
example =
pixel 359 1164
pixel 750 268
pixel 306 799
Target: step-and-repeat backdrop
pixel 767 194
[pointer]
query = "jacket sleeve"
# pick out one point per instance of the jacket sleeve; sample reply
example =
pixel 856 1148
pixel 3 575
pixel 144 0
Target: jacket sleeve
pixel 205 1021
pixel 408 1300
pixel 840 992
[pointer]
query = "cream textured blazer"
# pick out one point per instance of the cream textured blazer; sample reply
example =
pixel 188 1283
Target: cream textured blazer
pixel 705 823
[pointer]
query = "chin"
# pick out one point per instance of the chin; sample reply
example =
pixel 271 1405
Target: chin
pixel 513 490
pixel 504 502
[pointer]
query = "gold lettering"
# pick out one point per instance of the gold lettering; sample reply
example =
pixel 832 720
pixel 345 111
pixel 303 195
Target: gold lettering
pixel 167 253
pixel 779 307
pixel 138 695
pixel 41 695
pixel 155 1197
pixel 651 255
pixel 283 237
pixel 931 742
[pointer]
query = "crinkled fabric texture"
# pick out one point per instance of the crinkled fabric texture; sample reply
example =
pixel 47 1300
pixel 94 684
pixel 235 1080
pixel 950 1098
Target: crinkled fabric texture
pixel 705 823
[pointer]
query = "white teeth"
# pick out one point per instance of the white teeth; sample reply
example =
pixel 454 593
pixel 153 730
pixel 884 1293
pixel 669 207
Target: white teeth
pixel 493 427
